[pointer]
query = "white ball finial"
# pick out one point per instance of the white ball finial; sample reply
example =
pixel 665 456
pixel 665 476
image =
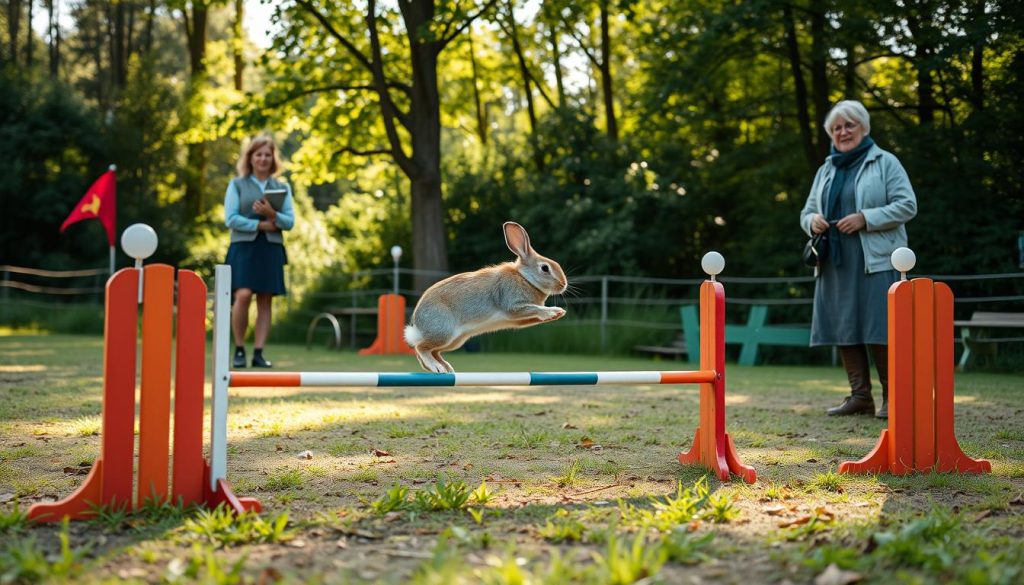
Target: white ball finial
pixel 139 241
pixel 713 263
pixel 903 260
pixel 396 252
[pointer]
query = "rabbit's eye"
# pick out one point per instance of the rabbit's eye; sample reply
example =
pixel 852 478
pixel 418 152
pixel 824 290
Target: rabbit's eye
pixel 544 268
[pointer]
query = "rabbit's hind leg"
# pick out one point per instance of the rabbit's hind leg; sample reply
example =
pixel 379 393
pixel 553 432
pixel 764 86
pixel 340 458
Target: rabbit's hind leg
pixel 429 362
pixel 436 354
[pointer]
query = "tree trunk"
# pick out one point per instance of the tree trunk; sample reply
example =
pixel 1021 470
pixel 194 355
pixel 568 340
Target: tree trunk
pixel 481 117
pixel 195 173
pixel 118 60
pixel 606 76
pixel 238 44
pixel 429 238
pixel 13 28
pixel 147 42
pixel 924 51
pixel 819 77
pixel 556 54
pixel 802 107
pixel 523 72
pixel 53 42
pixel 28 36
pixel 978 56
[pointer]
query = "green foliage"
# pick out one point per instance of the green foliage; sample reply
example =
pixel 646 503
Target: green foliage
pixel 13 520
pixel 396 498
pixel 686 505
pixel 570 475
pixel 443 495
pixel 222 528
pixel 25 561
pixel 627 561
pixel 562 527
pixel 204 566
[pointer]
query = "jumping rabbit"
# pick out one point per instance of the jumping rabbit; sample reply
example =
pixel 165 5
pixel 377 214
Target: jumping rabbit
pixel 506 296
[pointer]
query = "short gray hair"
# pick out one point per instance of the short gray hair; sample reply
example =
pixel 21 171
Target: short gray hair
pixel 851 110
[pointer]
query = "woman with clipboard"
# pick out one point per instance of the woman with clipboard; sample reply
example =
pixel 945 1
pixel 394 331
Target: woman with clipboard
pixel 257 209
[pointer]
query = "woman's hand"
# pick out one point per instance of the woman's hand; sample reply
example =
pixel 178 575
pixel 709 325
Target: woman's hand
pixel 818 223
pixel 265 209
pixel 268 226
pixel 852 223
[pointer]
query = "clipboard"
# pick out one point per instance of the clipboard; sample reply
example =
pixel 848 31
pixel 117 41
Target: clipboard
pixel 275 197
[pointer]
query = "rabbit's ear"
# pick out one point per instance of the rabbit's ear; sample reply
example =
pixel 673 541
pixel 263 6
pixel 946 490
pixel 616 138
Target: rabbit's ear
pixel 517 239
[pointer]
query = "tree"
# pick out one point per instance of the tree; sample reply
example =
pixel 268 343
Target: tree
pixel 367 67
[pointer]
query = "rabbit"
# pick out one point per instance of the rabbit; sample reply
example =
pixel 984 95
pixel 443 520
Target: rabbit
pixel 506 296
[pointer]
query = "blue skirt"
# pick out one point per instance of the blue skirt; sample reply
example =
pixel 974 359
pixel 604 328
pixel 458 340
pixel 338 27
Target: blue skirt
pixel 257 265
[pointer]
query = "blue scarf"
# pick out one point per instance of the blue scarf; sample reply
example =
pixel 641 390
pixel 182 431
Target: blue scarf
pixel 843 163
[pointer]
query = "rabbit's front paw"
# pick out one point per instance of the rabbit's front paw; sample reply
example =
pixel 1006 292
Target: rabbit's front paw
pixel 555 313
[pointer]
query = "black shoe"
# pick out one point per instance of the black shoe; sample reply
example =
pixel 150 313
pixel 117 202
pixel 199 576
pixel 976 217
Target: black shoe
pixel 239 359
pixel 883 412
pixel 853 405
pixel 258 361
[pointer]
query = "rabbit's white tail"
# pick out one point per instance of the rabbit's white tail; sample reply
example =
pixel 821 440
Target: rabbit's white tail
pixel 412 335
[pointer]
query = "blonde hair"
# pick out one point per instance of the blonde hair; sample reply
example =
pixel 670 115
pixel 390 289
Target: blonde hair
pixel 244 164
pixel 851 110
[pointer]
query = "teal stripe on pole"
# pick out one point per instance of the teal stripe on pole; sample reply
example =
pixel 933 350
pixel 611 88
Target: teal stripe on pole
pixel 562 379
pixel 416 379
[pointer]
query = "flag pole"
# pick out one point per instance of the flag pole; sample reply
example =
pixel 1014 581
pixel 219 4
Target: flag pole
pixel 112 168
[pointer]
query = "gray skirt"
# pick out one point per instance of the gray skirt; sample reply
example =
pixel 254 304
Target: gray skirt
pixel 851 307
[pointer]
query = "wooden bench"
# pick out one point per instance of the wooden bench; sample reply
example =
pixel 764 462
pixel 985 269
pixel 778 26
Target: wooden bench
pixel 975 333
pixel 675 350
pixel 752 335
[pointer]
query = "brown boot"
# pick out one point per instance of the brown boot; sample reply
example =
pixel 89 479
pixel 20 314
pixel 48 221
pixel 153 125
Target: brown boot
pixel 881 355
pixel 858 371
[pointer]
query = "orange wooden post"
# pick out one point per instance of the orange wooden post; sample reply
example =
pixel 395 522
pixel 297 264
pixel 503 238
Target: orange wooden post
pixel 712 446
pixel 920 435
pixel 155 393
pixel 189 374
pixel 109 483
pixel 390 327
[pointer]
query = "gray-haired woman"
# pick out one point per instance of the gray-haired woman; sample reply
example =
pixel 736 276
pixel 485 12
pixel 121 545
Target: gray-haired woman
pixel 862 196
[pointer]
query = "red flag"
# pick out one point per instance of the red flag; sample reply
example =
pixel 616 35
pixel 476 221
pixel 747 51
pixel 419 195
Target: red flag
pixel 100 202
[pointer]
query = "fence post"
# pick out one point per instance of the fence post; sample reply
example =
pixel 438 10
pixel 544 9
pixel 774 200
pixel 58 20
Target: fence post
pixel 604 310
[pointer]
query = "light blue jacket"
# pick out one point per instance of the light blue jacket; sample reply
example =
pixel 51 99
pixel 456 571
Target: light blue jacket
pixel 885 197
pixel 242 192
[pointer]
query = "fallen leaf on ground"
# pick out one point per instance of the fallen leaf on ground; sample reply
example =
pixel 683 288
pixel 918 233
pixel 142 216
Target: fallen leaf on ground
pixel 983 514
pixel 568 425
pixel 585 443
pixel 379 453
pixel 775 510
pixel 798 522
pixel 306 455
pixel 1018 501
pixel 833 575
pixel 78 470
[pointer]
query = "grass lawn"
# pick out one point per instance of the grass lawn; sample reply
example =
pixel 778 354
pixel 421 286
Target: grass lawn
pixel 570 484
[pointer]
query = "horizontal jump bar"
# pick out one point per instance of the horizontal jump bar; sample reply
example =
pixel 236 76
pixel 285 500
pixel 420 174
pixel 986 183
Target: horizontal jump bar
pixel 386 379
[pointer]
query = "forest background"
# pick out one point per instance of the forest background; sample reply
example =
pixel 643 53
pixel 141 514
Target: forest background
pixel 629 137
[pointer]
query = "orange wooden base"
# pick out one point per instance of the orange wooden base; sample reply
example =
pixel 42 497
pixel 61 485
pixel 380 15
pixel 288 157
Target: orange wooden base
pixel 712 446
pixel 920 435
pixel 390 327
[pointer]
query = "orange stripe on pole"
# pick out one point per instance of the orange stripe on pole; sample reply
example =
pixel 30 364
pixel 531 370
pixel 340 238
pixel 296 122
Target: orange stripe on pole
pixel 924 374
pixel 265 379
pixel 119 363
pixel 155 404
pixel 696 377
pixel 189 371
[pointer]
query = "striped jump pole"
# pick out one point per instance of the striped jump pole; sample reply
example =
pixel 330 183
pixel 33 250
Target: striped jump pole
pixel 919 437
pixel 712 446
